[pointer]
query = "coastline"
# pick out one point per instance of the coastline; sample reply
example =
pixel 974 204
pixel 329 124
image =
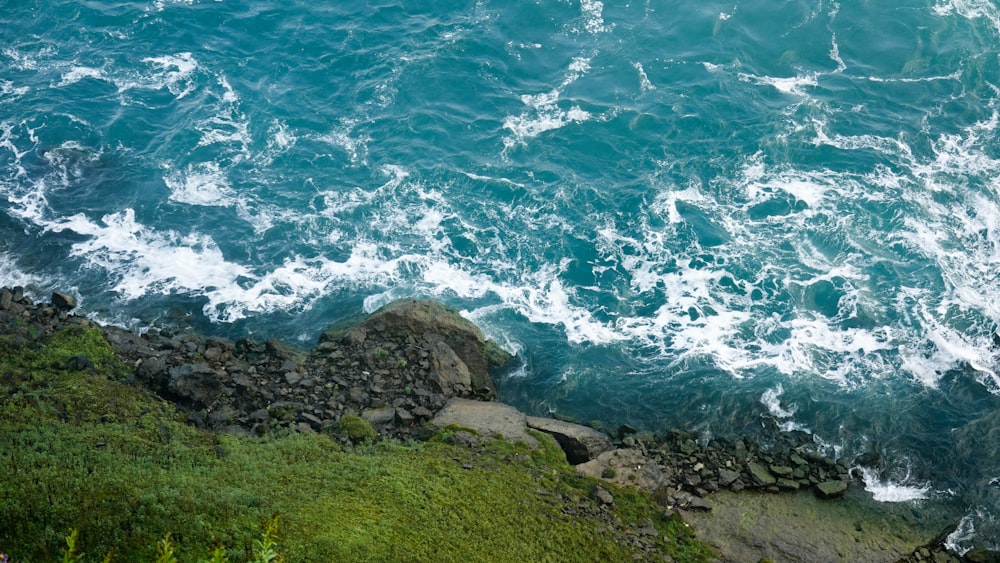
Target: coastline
pixel 404 365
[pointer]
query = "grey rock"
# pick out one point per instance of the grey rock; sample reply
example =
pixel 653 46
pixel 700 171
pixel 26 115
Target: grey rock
pixel 379 416
pixel 602 495
pixel 487 418
pixel 760 474
pixel 831 489
pixel 726 477
pixel 449 372
pixel 781 470
pixel 581 443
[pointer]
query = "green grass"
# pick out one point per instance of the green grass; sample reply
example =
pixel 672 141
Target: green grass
pixel 84 452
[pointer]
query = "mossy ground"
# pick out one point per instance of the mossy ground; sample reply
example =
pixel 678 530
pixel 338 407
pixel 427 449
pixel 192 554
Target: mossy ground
pixel 83 451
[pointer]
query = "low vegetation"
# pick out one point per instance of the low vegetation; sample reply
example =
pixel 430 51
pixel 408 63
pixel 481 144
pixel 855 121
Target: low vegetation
pixel 90 458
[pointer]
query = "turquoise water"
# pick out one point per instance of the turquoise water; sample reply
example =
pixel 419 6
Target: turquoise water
pixel 719 215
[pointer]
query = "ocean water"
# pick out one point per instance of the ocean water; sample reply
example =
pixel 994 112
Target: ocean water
pixel 717 215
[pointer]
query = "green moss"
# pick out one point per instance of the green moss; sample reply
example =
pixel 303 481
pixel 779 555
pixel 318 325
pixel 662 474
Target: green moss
pixel 84 452
pixel 356 429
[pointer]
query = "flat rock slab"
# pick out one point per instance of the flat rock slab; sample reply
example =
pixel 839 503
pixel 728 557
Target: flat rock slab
pixel 795 527
pixel 581 443
pixel 487 418
pixel 625 467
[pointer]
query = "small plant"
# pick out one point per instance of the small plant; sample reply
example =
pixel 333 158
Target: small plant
pixel 609 473
pixel 69 554
pixel 356 429
pixel 381 353
pixel 401 363
pixel 165 551
pixel 265 549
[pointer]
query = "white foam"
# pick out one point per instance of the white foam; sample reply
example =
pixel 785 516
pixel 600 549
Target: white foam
pixel 889 491
pixel 794 85
pixel 9 92
pixel 78 73
pixel 200 184
pixel 544 113
pixel 644 84
pixel 593 16
pixel 971 9
pixel 174 72
pixel 11 275
pixel 771 400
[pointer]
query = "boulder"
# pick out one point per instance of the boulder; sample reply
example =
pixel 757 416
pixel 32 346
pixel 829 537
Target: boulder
pixel 581 443
pixel 431 322
pixel 625 467
pixel 831 489
pixel 197 383
pixel 487 418
pixel 450 373
pixel 760 474
pixel 63 301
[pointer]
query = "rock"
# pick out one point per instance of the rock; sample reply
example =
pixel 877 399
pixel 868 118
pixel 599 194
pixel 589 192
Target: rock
pixel 687 501
pixel 449 372
pixel 581 443
pixel 727 477
pixel 602 495
pixel 788 484
pixel 6 298
pixel 432 322
pixel 625 467
pixel 63 301
pixel 781 470
pixel 196 382
pixel 489 419
pixel 760 474
pixel 831 489
pixel 379 416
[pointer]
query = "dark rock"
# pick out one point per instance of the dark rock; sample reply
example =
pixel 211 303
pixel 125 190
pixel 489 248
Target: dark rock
pixel 78 363
pixel 831 489
pixel 727 477
pixel 581 443
pixel 6 298
pixel 197 383
pixel 63 301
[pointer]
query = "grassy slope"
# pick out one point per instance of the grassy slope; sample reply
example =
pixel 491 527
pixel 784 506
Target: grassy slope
pixel 83 451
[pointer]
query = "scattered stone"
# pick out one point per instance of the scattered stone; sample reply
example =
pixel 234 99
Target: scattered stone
pixel 727 477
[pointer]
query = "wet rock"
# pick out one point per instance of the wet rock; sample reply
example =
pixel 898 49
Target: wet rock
pixel 581 443
pixel 63 301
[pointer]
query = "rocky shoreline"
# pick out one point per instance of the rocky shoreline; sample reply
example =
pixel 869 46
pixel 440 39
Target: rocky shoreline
pixel 417 365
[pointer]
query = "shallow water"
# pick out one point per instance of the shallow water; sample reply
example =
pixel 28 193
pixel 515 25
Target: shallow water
pixel 714 215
